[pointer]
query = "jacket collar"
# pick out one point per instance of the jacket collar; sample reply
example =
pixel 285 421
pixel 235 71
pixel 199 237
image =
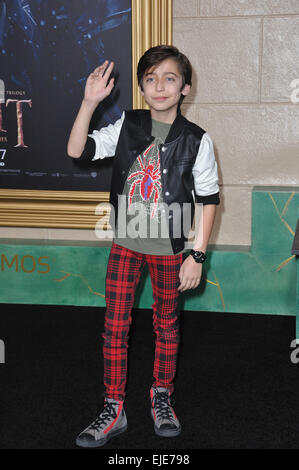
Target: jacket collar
pixel 175 130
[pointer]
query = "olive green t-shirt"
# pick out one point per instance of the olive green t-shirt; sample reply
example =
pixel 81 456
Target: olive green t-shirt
pixel 146 228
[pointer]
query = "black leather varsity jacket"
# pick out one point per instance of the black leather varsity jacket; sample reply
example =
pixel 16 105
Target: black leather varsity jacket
pixel 187 162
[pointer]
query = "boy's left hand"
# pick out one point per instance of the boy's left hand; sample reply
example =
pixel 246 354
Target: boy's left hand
pixel 190 274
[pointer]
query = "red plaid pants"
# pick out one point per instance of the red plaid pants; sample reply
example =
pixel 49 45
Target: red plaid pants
pixel 123 274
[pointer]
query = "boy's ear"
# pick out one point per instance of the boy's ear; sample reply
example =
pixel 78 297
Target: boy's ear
pixel 186 90
pixel 141 92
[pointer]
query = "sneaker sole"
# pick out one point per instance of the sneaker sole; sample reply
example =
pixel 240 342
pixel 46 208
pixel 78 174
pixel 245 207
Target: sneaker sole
pixel 100 442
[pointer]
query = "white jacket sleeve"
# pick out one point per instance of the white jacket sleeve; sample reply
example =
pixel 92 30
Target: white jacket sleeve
pixel 106 139
pixel 205 171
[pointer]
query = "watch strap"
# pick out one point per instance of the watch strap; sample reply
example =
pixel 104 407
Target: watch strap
pixel 198 256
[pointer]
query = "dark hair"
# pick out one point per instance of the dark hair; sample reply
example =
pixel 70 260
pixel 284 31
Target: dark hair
pixel 156 55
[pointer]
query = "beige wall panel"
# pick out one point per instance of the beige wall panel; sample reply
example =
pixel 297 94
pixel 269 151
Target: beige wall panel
pixel 190 111
pixel 224 55
pixel 71 234
pixel 185 8
pixel 254 144
pixel 47 234
pixel 23 232
pixel 233 218
pixel 247 7
pixel 280 58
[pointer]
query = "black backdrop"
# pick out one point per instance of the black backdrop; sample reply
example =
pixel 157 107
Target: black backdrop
pixel 47 50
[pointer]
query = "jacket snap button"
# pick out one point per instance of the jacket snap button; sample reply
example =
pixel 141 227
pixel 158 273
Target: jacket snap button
pixel 163 149
pixel 165 170
pixel 167 193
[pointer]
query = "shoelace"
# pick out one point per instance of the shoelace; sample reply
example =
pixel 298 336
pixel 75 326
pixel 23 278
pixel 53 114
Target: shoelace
pixel 107 413
pixel 161 403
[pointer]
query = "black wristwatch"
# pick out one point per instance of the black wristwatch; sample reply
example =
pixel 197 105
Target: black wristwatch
pixel 198 256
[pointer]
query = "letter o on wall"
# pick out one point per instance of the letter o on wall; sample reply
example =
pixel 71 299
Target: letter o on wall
pixel 23 267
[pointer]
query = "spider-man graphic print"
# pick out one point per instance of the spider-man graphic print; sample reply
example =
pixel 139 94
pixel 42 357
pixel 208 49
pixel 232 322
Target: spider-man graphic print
pixel 143 184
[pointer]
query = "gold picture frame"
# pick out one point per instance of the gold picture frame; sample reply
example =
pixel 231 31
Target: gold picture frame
pixel 151 25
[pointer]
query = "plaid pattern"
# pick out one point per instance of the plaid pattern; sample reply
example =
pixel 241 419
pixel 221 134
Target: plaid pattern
pixel 123 274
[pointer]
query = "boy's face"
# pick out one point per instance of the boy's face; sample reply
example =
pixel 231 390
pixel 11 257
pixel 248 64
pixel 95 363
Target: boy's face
pixel 162 87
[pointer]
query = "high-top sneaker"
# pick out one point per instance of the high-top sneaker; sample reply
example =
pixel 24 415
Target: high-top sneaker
pixel 110 422
pixel 166 422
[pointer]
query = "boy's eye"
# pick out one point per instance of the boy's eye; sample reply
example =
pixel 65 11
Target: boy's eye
pixel 170 79
pixel 149 79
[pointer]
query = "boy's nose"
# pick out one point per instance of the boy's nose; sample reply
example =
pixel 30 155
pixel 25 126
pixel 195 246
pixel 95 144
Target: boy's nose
pixel 160 85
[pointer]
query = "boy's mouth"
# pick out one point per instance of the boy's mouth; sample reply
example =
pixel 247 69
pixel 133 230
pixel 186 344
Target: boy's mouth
pixel 160 98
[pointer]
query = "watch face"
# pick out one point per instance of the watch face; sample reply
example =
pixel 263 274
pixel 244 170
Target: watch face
pixel 199 256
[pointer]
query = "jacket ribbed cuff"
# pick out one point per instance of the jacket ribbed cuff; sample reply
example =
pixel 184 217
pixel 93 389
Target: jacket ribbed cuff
pixel 89 150
pixel 210 199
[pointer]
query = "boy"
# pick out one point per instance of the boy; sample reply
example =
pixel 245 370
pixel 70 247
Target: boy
pixel 160 159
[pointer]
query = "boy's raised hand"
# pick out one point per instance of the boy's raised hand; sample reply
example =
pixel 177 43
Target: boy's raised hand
pixel 96 88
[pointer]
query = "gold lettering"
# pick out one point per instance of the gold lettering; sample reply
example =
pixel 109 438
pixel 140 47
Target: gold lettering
pixel 22 264
pixel 43 264
pixel 5 260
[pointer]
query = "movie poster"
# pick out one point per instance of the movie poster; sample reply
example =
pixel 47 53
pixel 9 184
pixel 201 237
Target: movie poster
pixel 47 50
